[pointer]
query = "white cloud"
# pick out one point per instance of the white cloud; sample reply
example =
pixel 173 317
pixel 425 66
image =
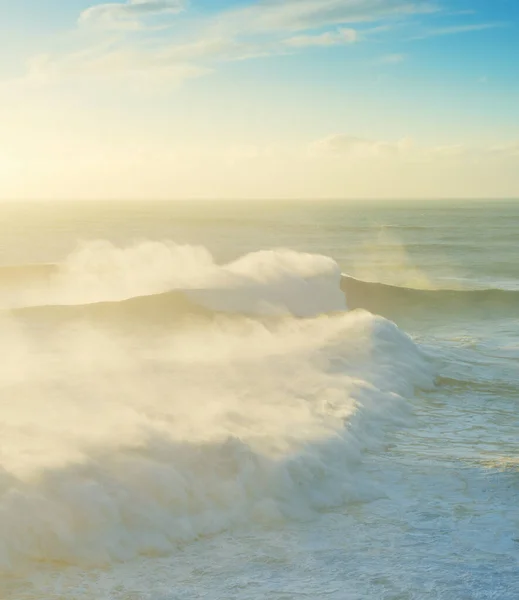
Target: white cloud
pixel 329 38
pixel 359 148
pixel 128 15
pixel 123 163
pixel 256 30
pixel 114 66
pixel 210 50
pixel 173 63
pixel 354 149
pixel 456 29
pixel 303 15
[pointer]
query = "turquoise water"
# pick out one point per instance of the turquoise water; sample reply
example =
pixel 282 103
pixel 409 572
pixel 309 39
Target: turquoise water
pixel 238 432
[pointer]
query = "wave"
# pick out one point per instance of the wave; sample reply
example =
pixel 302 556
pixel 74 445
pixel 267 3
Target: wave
pixel 99 280
pixel 160 310
pixel 117 444
pixel 502 389
pixel 113 447
pixel 272 282
pixel 393 302
pixel 299 298
pixel 304 299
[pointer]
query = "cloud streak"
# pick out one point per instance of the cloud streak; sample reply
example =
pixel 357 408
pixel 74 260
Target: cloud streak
pixel 329 38
pixel 303 15
pixel 173 63
pixel 258 29
pixel 129 14
pixel 457 29
pixel 350 148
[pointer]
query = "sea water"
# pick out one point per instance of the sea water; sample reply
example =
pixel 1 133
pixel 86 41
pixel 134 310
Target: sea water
pixel 248 400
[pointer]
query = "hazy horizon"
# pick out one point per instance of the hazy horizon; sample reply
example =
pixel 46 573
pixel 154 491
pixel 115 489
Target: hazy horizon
pixel 273 200
pixel 259 99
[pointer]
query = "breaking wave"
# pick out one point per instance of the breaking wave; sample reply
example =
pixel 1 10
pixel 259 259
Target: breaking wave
pixel 265 282
pixel 117 444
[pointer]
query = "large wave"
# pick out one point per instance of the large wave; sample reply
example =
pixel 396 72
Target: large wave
pixel 272 282
pixel 157 281
pixel 122 443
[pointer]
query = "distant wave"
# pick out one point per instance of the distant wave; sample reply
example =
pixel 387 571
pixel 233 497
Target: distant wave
pixel 494 387
pixel 166 308
pixel 390 301
pixel 158 282
pixel 141 311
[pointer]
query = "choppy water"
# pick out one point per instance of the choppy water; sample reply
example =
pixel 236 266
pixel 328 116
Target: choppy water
pixel 259 400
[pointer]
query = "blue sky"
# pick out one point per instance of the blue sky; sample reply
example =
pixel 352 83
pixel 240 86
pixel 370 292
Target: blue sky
pixel 238 98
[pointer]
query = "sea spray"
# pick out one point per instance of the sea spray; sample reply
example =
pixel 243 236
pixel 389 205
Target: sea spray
pixel 120 444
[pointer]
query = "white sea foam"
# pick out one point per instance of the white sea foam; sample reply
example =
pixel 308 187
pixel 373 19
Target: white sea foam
pixel 266 282
pixel 117 446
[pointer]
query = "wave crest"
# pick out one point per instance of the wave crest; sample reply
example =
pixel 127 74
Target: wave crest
pixel 272 282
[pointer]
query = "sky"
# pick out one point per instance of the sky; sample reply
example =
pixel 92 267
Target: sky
pixel 169 99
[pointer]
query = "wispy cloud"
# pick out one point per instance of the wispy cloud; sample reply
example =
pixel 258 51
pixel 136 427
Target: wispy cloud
pixel 329 38
pixel 123 64
pixel 265 15
pixel 129 14
pixel 258 29
pixel 172 62
pixel 303 15
pixel 456 29
pixel 352 148
pixel 208 50
pixel 358 148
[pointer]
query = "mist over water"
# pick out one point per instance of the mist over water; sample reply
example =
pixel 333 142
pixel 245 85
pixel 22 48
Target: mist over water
pixel 244 419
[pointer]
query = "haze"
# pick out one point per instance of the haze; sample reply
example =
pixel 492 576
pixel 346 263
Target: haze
pixel 271 99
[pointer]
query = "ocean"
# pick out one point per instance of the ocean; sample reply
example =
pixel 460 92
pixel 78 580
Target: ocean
pixel 259 400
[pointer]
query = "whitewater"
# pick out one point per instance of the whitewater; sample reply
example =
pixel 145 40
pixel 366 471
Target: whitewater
pixel 252 420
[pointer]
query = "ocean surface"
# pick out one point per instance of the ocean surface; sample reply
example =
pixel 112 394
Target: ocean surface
pixel 259 400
